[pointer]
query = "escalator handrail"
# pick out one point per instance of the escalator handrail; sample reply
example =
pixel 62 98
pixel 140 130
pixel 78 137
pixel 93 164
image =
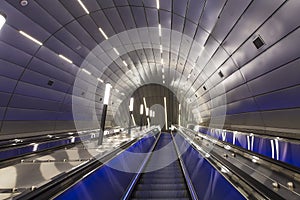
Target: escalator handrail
pixel 279 163
pixel 253 183
pixel 134 181
pixel 65 180
pixel 185 172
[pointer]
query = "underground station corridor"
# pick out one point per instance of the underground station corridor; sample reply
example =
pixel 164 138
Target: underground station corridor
pixel 149 99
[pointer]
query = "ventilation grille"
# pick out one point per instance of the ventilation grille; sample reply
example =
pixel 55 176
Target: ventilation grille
pixel 50 82
pixel 258 42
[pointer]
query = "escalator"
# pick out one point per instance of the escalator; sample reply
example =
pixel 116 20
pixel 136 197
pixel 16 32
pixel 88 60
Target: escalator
pixel 166 183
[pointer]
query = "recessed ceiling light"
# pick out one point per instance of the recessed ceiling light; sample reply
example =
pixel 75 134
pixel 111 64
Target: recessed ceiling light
pixel 116 51
pixel 162 61
pixel 2 20
pixel 163 70
pixel 99 79
pixel 157 4
pixel 164 81
pixel 102 32
pixel 189 76
pixel 124 62
pixel 31 38
pixel 23 3
pixel 83 6
pixel 163 76
pixel 161 48
pixel 65 58
pixel 86 71
pixel 159 29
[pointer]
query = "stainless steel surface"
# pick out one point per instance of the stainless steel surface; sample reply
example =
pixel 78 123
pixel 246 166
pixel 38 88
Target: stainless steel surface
pixel 255 166
pixel 37 170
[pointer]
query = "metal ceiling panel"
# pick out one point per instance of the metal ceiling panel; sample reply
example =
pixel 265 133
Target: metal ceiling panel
pixel 211 14
pixel 114 19
pixel 139 16
pixel 38 15
pixel 152 17
pixel 13 55
pixel 275 80
pixel 12 37
pixel 42 81
pixel 179 7
pixel 10 70
pixel 127 17
pixel 165 19
pixel 194 11
pixel 177 23
pixel 102 22
pixel 166 5
pixel 273 57
pixel 81 34
pixel 190 29
pixel 121 2
pixel 286 98
pixel 250 21
pixel 7 84
pixel 57 10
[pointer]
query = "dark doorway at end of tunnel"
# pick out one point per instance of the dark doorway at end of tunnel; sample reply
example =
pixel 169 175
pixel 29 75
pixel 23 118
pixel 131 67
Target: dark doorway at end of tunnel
pixel 154 95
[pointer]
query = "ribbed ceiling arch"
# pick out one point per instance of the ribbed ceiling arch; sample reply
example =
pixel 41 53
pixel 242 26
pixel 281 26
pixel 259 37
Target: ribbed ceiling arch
pixel 232 80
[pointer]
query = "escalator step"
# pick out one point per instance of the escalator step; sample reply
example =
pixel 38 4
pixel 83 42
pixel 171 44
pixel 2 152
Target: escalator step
pixel 161 187
pixel 161 194
pixel 155 176
pixel 161 198
pixel 162 181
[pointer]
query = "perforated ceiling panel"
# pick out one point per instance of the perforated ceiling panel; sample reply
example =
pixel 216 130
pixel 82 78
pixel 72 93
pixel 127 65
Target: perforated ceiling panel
pixel 183 45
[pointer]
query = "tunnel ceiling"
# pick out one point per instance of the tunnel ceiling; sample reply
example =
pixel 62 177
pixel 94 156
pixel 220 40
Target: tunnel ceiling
pixel 204 48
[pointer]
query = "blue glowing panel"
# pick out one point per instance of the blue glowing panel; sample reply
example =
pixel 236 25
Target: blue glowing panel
pixel 108 182
pixel 208 182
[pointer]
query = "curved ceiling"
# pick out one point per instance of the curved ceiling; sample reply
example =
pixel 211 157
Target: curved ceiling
pixel 207 52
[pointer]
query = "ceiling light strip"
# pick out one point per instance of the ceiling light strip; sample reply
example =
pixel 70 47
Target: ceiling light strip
pixel 157 4
pixel 166 115
pixel 31 38
pixel 86 71
pixel 65 58
pixel 145 104
pixel 102 32
pixel 2 19
pixel 124 62
pixel 99 79
pixel 159 29
pixel 133 120
pixel 83 6
pixel 116 51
